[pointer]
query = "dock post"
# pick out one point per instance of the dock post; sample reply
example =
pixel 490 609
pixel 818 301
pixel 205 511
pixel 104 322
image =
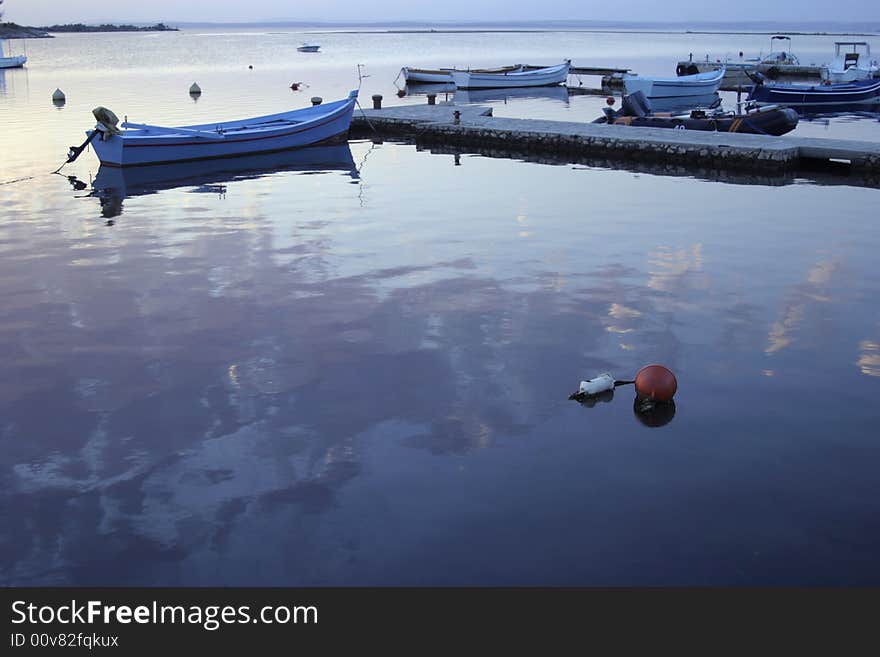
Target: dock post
pixel 377 101
pixel 432 99
pixel 317 100
pixel 456 117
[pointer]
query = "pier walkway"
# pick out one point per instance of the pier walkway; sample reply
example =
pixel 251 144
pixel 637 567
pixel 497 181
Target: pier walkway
pixel 478 129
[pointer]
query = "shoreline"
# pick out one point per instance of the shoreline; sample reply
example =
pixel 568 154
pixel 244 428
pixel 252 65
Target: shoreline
pixel 15 31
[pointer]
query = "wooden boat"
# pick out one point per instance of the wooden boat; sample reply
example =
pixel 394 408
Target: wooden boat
pixel 540 77
pixel 309 47
pixel 444 75
pixel 636 111
pixel 10 61
pixel 850 66
pixel 698 84
pixel 150 144
pixel 817 97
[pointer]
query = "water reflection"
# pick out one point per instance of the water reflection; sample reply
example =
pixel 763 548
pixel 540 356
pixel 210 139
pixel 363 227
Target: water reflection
pixel 653 415
pixel 112 185
pixel 477 96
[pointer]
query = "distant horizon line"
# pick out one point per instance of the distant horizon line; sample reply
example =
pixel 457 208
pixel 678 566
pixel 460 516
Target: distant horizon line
pixel 860 24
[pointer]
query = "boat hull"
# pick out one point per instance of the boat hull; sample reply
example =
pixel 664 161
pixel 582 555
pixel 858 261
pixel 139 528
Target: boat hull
pixel 699 84
pixel 425 76
pixel 861 93
pixel 13 62
pixel 312 127
pixel 543 77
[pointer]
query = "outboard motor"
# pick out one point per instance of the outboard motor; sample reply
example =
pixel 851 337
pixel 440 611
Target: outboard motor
pixel 757 77
pixel 636 104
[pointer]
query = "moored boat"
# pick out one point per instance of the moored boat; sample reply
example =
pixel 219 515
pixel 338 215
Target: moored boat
pixel 637 111
pixel 540 77
pixel 854 63
pixel 309 47
pixel 149 144
pixel 817 97
pixel 10 61
pixel 698 84
pixel 442 75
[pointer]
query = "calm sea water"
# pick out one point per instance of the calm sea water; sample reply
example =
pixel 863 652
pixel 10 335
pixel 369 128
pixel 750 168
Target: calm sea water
pixel 351 365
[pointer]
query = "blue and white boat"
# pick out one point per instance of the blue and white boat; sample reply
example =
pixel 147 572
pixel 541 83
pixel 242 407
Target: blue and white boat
pixel 818 97
pixel 149 144
pixel 683 86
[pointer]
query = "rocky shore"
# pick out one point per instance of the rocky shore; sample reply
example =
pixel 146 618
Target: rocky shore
pixel 13 31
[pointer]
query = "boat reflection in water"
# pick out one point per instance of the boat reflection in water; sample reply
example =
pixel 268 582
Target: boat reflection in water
pixel 415 89
pixel 675 105
pixel 112 185
pixel 477 96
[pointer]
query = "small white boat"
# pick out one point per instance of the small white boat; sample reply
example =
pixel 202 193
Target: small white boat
pixel 854 63
pixel 309 47
pixel 540 77
pixel 10 61
pixel 698 84
pixel 150 144
pixel 441 75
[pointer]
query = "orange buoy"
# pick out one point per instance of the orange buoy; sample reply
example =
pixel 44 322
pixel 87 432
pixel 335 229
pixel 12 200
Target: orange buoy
pixel 656 382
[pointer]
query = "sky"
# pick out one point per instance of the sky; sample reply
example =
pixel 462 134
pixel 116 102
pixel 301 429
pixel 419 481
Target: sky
pixel 42 12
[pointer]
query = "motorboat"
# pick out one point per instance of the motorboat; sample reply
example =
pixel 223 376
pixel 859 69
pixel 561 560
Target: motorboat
pixel 852 61
pixel 698 84
pixel 537 77
pixel 817 97
pixel 309 47
pixel 637 110
pixel 142 143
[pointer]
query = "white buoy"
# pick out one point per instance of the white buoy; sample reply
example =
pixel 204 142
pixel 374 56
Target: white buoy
pixel 58 96
pixel 195 90
pixel 601 383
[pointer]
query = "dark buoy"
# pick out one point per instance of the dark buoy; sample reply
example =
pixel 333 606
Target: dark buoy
pixel 609 101
pixel 657 383
pixel 295 86
pixel 401 93
pixel 653 415
pixel 251 67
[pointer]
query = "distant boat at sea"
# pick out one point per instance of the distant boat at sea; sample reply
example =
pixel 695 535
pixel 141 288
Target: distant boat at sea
pixel 309 47
pixel 540 77
pixel 149 144
pixel 10 61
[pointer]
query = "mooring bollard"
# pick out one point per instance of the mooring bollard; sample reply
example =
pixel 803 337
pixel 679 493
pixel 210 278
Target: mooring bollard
pixel 317 100
pixel 377 101
pixel 456 117
pixel 432 99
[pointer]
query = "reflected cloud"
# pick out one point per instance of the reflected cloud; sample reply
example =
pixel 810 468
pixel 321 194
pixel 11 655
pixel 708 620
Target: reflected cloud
pixel 869 359
pixel 812 290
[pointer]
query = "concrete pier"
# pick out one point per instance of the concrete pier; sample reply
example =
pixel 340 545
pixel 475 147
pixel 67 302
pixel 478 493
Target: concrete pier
pixel 477 129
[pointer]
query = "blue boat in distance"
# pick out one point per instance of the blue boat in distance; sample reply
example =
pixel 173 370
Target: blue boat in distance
pixel 861 94
pixel 142 144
